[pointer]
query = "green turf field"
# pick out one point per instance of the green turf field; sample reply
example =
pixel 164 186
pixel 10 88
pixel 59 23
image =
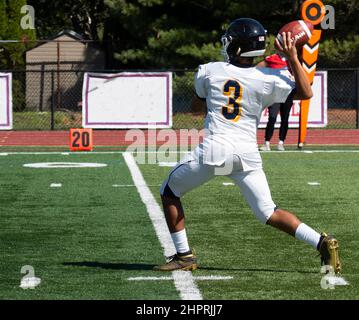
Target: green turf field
pixel 88 237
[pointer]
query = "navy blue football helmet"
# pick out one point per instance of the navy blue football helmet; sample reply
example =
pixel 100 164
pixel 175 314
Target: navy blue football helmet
pixel 244 37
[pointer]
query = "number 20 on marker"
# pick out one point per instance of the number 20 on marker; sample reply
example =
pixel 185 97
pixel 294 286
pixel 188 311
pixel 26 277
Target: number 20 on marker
pixel 81 140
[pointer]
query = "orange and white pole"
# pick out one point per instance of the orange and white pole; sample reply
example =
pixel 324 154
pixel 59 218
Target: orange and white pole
pixel 312 11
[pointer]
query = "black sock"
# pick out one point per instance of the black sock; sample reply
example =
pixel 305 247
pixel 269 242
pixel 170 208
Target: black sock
pixel 182 254
pixel 320 242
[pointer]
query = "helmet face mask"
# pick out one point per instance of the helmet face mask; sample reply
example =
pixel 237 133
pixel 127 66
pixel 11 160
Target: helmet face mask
pixel 244 38
pixel 226 40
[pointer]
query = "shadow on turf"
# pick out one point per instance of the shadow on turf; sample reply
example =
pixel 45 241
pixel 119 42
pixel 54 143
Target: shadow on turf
pixel 143 266
pixel 114 266
pixel 258 270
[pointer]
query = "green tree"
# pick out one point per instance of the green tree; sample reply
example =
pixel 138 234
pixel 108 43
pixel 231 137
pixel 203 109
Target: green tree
pixel 161 34
pixel 3 30
pixel 83 16
pixel 339 53
pixel 3 19
pixel 15 50
pixel 183 33
pixel 12 54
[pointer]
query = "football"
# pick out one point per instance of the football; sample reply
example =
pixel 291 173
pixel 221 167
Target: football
pixel 300 29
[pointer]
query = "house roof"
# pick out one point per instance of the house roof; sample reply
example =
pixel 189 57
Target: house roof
pixel 66 32
pixel 70 33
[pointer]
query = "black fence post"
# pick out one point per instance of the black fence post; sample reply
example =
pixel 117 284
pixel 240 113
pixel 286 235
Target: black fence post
pixel 357 97
pixel 42 86
pixel 52 100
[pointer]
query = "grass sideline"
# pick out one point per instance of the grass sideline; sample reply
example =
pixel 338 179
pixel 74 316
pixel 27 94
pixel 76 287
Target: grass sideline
pixel 68 119
pixel 87 238
pixel 31 120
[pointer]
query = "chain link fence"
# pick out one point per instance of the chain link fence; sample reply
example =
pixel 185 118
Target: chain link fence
pixel 52 100
pixel 343 98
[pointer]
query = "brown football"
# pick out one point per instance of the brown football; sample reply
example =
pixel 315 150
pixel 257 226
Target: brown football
pixel 300 29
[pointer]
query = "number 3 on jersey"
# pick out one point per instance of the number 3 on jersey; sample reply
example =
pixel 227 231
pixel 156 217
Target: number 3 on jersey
pixel 232 111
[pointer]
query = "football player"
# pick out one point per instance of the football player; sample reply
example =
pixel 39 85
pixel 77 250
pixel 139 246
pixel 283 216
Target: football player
pixel 236 93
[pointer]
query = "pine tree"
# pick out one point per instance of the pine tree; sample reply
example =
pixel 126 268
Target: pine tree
pixel 13 55
pixel 3 19
pixel 3 30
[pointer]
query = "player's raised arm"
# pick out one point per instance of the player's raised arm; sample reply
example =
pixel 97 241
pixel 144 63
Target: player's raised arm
pixel 303 87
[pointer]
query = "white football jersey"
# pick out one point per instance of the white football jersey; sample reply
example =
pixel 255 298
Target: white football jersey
pixel 236 98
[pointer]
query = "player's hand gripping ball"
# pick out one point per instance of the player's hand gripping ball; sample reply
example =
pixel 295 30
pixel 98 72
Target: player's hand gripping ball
pixel 300 30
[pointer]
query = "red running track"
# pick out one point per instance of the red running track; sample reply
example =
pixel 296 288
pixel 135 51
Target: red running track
pixel 117 137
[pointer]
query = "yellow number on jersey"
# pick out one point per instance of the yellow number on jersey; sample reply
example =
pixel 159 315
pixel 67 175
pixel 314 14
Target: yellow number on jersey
pixel 232 111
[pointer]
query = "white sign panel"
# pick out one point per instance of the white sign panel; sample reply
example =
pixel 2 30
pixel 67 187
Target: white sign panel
pixel 5 101
pixel 317 110
pixel 127 100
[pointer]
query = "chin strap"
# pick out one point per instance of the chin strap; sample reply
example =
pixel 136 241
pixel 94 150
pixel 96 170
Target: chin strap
pixel 226 41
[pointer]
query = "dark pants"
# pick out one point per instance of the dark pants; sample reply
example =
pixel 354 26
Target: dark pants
pixel 284 109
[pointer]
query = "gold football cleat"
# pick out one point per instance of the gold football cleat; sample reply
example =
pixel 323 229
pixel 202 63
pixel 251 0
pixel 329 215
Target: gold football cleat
pixel 178 262
pixel 329 252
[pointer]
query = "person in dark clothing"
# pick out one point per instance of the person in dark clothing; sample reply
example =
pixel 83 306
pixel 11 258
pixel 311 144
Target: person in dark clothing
pixel 278 62
pixel 284 110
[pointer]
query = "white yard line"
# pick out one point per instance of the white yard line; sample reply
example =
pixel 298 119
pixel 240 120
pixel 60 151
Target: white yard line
pixel 202 278
pixel 166 164
pixel 228 184
pixel 197 278
pixel 314 183
pixel 183 280
pixel 55 185
pixel 149 278
pixel 132 185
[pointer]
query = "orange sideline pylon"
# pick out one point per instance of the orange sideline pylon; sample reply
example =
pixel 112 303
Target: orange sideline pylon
pixel 314 12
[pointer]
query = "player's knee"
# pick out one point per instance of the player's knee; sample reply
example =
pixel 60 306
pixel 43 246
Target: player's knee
pixel 271 216
pixel 264 212
pixel 167 193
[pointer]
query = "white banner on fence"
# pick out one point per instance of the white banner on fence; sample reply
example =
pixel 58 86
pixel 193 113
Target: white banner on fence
pixel 317 110
pixel 127 100
pixel 5 101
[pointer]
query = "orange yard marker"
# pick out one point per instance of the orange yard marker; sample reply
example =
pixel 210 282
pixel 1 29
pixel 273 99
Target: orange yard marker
pixel 314 12
pixel 81 140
